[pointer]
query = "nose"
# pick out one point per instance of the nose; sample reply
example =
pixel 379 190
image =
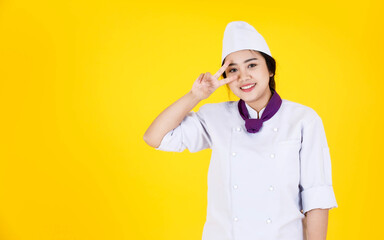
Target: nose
pixel 243 75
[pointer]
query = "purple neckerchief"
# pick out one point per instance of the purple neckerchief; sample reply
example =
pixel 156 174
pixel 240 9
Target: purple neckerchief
pixel 253 125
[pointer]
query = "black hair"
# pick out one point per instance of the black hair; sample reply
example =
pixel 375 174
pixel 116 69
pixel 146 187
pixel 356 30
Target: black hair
pixel 271 65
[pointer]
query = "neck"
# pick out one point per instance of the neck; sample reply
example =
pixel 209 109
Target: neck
pixel 260 103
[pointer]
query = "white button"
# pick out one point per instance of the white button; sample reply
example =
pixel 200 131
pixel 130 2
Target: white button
pixel 271 188
pixel 238 129
pixel 272 155
pixel 269 220
pixel 275 129
pixel 233 154
pixel 235 219
pixel 235 186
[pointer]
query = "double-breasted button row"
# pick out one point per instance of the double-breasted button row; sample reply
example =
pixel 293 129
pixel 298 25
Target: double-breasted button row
pixel 268 221
pixel 235 186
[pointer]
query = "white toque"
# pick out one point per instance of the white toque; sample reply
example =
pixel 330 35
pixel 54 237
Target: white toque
pixel 239 35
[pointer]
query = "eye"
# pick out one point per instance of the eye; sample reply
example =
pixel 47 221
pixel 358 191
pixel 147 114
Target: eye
pixel 252 65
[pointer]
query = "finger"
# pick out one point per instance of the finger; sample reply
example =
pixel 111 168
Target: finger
pixel 207 76
pixel 221 70
pixel 200 77
pixel 227 80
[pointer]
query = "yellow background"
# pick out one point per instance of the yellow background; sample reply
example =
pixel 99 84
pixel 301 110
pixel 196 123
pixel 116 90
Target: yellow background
pixel 80 81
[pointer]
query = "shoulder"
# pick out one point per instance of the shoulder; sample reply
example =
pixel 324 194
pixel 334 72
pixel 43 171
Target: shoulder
pixel 299 111
pixel 218 110
pixel 218 107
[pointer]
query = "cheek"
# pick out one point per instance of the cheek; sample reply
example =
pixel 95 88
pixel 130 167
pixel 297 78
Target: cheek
pixel 262 77
pixel 232 86
pixel 266 73
pixel 260 74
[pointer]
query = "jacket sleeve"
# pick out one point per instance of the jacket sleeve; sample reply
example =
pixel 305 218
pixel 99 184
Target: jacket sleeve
pixel 315 168
pixel 192 133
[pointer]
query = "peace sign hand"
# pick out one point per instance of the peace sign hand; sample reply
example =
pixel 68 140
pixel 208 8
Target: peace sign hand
pixel 206 84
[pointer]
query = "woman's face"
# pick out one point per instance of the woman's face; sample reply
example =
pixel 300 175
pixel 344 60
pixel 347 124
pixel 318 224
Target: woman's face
pixel 250 69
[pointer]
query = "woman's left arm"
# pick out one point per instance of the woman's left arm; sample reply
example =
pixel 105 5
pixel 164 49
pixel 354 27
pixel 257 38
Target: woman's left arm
pixel 316 224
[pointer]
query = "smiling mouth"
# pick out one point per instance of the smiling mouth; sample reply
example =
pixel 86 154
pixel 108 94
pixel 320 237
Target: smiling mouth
pixel 248 86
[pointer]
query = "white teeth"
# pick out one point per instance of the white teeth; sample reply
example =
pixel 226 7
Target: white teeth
pixel 249 86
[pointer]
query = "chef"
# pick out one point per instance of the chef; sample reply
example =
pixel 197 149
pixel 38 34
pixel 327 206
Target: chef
pixel 270 169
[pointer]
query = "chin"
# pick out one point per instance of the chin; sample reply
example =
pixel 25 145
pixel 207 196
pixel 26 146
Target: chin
pixel 252 97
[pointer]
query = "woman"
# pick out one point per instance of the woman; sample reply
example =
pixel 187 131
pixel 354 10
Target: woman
pixel 270 170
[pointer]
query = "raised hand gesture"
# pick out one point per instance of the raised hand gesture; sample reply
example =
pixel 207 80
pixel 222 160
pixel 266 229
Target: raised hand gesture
pixel 206 84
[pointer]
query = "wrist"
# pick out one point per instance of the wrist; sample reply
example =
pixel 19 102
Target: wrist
pixel 195 98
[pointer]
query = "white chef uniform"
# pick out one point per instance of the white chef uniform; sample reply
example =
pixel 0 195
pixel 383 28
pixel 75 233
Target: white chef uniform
pixel 258 183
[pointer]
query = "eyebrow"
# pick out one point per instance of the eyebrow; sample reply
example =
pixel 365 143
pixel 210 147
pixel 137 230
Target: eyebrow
pixel 244 61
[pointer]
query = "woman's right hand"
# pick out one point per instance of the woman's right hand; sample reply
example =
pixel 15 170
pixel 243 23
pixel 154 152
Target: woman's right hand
pixel 206 84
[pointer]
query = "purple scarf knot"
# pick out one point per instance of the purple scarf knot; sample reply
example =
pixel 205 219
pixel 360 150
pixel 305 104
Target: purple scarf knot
pixel 253 125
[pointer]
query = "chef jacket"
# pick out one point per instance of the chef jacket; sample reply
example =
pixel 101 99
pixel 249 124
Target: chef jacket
pixel 259 184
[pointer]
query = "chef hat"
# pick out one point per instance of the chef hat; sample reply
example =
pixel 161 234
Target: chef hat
pixel 239 35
